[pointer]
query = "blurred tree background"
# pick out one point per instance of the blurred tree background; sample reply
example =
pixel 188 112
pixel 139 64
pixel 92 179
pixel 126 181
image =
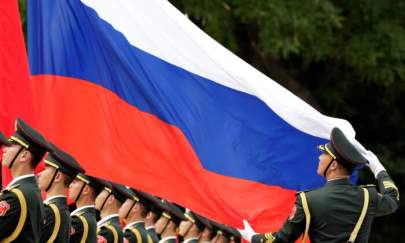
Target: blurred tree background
pixel 346 58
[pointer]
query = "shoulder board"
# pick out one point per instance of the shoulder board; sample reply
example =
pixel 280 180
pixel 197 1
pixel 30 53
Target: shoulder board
pixel 368 186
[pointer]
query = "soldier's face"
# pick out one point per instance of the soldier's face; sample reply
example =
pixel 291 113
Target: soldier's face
pixel 150 219
pixel 124 209
pixel 206 234
pixel 45 177
pixel 101 198
pixel 74 188
pixel 184 227
pixel 324 160
pixel 161 224
pixel 9 152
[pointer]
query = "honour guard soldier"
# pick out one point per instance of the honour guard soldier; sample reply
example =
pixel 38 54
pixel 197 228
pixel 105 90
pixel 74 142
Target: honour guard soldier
pixel 134 211
pixel 83 191
pixel 108 202
pixel 60 169
pixel 207 233
pixel 192 227
pixel 152 215
pixel 338 211
pixel 168 222
pixel 221 233
pixel 21 208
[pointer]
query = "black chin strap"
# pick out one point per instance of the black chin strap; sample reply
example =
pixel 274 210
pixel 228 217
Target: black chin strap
pixel 133 205
pixel 80 192
pixel 53 178
pixel 15 157
pixel 164 228
pixel 189 228
pixel 327 167
pixel 105 200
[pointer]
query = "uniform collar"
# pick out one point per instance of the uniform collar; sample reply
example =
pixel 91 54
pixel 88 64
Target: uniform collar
pixel 340 181
pixel 139 222
pixel 77 210
pixel 190 239
pixel 17 179
pixel 50 199
pixel 168 238
pixel 107 218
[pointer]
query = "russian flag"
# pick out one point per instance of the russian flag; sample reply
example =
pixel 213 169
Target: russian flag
pixel 142 96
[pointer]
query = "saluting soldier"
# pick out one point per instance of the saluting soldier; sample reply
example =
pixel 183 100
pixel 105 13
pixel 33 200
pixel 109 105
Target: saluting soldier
pixel 169 221
pixel 192 227
pixel 338 211
pixel 134 211
pixel 60 169
pixel 108 202
pixel 21 208
pixel 83 191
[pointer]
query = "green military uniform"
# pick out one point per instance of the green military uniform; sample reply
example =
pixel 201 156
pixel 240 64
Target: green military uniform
pixel 56 224
pixel 84 225
pixel 339 210
pixel 135 233
pixel 21 208
pixel 109 230
pixel 21 211
pixel 152 233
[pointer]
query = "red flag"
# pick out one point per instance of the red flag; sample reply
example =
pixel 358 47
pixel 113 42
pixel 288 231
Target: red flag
pixel 15 86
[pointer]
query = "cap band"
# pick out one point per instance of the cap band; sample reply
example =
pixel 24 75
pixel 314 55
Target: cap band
pixel 189 218
pixel 47 162
pixel 166 215
pixel 327 150
pixel 83 179
pixel 19 141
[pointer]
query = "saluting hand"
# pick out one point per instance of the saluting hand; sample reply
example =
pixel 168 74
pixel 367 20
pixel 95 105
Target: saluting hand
pixel 373 162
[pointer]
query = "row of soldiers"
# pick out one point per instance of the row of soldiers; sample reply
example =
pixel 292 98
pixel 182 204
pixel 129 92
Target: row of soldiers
pixel 102 207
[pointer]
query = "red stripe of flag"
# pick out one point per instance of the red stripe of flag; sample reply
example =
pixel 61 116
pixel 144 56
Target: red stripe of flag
pixel 15 86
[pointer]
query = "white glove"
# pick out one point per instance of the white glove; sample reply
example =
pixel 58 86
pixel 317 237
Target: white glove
pixel 374 163
pixel 247 232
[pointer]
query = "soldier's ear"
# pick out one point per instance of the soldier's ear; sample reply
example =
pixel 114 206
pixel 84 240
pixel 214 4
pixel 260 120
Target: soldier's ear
pixel 86 189
pixel 25 156
pixel 59 177
pixel 334 165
